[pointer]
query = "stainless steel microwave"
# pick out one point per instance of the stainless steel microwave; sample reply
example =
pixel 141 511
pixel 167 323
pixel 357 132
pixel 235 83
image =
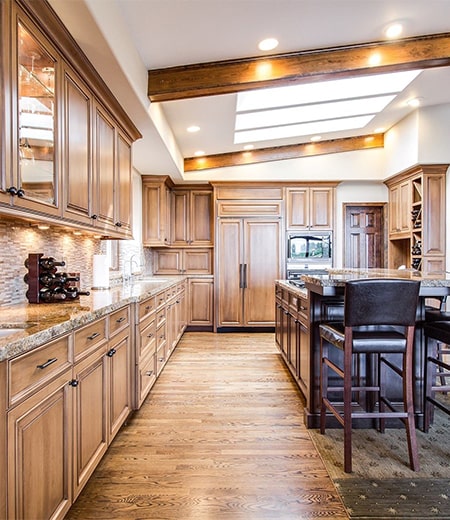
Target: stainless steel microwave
pixel 309 247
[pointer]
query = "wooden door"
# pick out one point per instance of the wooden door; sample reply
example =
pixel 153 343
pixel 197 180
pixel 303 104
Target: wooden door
pixel 365 242
pixel 200 302
pixel 228 269
pixel 262 258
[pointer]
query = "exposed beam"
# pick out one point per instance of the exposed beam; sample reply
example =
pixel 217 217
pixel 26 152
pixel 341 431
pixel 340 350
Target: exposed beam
pixel 279 153
pixel 225 77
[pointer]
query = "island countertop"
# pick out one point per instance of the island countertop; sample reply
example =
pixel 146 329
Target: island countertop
pixel 36 324
pixel 432 284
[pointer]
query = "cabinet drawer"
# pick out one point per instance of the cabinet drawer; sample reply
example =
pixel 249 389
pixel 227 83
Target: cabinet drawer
pixel 146 308
pixel 245 208
pixel 27 372
pixel 119 320
pixel 160 317
pixel 147 339
pixel 89 337
pixel 160 299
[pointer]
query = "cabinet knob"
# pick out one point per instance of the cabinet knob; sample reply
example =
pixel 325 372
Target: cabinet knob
pixel 111 352
pixel 20 193
pixel 94 217
pixel 12 190
pixel 73 383
pixel 149 373
pixel 118 224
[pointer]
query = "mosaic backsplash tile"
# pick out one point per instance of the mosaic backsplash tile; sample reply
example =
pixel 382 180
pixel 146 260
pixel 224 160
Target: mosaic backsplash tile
pixel 19 238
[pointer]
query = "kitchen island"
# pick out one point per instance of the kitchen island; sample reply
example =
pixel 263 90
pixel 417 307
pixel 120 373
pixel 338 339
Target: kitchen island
pixel 299 312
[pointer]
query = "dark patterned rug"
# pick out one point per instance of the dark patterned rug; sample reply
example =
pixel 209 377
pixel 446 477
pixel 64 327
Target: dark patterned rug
pixel 382 485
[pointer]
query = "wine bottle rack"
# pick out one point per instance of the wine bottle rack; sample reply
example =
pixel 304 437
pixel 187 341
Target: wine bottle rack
pixel 46 284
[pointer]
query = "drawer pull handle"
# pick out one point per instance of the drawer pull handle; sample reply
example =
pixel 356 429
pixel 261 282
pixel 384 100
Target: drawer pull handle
pixel 149 373
pixel 74 382
pixel 161 360
pixel 111 352
pixel 148 307
pixel 93 336
pixel 47 363
pixel 150 335
pixel 120 319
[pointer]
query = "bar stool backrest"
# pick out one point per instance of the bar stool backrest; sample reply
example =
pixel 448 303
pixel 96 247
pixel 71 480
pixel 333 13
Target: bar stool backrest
pixel 381 302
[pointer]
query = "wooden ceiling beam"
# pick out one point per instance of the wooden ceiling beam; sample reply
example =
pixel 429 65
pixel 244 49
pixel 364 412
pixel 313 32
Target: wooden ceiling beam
pixel 278 153
pixel 230 76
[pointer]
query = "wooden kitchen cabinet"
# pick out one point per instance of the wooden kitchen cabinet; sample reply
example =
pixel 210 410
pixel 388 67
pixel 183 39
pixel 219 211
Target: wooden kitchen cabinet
pixel 182 261
pixel 248 262
pixel 155 211
pixel 191 217
pixel 310 208
pixel 39 453
pixel 120 370
pixel 292 334
pixel 39 425
pixel 400 199
pixel 417 214
pixel 76 170
pixel 201 306
pixel 145 344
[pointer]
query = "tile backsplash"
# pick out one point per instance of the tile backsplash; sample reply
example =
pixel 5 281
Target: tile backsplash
pixel 19 238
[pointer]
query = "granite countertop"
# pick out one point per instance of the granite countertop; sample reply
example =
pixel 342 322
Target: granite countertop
pixel 36 324
pixel 338 277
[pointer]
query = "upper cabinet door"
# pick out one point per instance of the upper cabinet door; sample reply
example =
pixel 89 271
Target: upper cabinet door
pixel 200 218
pixel 310 208
pixel 104 170
pixel 123 204
pixel 35 180
pixel 77 165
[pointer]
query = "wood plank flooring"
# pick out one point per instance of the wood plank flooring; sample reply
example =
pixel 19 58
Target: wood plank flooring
pixel 220 437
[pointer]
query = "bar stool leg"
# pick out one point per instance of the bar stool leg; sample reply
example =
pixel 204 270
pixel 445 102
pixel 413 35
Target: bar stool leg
pixel 409 409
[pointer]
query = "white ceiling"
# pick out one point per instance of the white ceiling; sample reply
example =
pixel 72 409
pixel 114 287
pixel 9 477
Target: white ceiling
pixel 125 38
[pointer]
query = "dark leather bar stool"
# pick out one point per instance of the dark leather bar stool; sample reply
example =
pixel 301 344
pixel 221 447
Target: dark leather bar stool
pixel 379 320
pixel 437 338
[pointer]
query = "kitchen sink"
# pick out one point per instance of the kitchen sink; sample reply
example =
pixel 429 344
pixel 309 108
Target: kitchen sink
pixel 8 330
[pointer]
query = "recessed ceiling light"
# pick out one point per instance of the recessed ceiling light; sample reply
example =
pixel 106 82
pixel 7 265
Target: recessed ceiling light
pixel 192 129
pixel 248 147
pixel 414 102
pixel 394 31
pixel 316 138
pixel 268 44
pixel 199 153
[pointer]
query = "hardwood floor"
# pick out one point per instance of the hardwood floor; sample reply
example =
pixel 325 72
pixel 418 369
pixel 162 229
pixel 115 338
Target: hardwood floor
pixel 220 437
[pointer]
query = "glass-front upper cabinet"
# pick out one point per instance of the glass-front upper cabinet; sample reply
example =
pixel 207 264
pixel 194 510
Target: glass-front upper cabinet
pixel 36 118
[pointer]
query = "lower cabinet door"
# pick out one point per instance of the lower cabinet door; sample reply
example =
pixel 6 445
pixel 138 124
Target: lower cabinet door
pixel 39 457
pixel 90 416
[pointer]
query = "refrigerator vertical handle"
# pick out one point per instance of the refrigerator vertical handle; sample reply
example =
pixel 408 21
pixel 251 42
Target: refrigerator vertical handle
pixel 241 276
pixel 245 276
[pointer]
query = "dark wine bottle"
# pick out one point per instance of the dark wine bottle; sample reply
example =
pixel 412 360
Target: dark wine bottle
pixel 49 295
pixel 73 293
pixel 47 263
pixel 65 278
pixel 47 279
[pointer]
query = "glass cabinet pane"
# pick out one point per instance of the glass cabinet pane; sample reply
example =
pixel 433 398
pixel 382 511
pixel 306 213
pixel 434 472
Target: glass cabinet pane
pixel 36 102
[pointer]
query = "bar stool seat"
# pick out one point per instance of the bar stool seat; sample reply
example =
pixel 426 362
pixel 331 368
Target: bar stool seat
pixel 437 338
pixel 379 320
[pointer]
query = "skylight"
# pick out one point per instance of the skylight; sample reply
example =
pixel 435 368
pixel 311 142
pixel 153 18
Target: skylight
pixel 326 106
